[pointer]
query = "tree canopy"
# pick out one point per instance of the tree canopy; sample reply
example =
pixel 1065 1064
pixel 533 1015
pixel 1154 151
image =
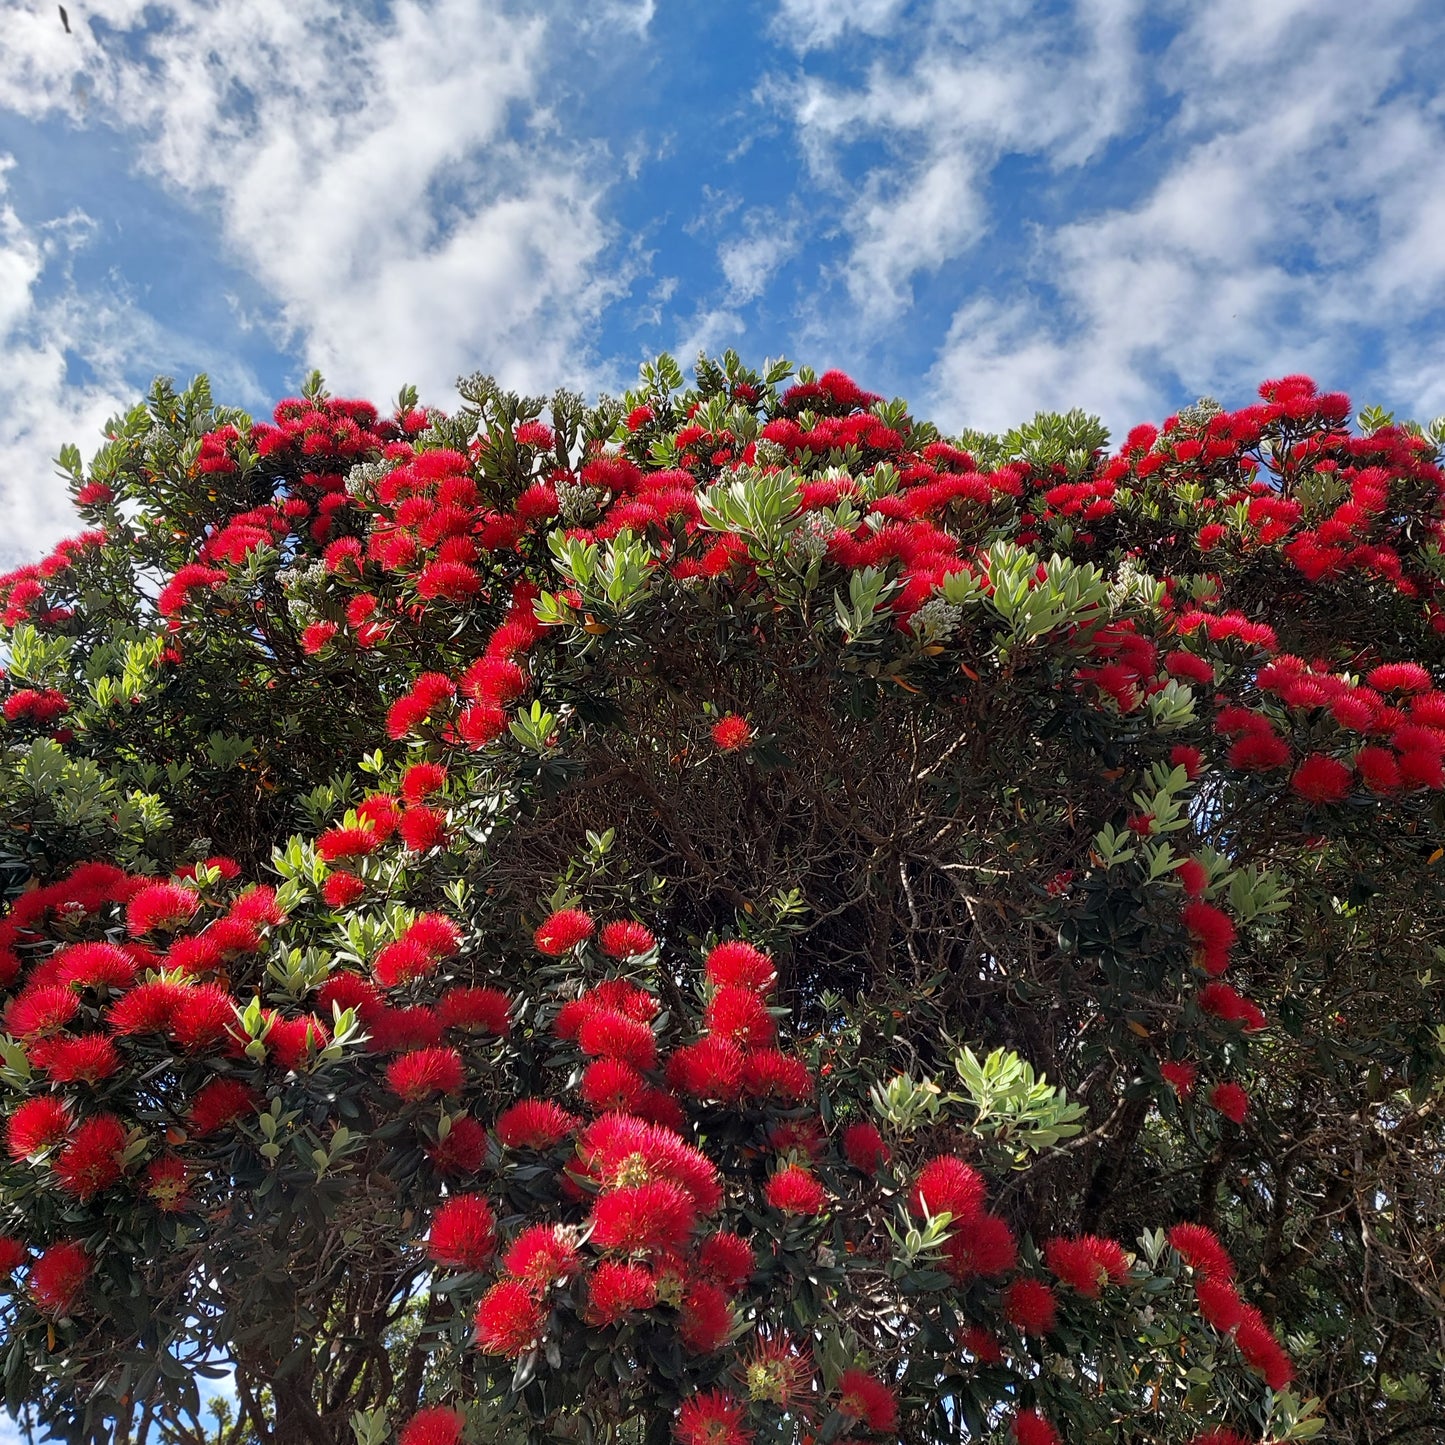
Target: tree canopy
pixel 727 915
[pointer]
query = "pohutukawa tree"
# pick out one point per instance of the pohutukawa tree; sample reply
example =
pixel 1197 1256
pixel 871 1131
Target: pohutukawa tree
pixel 728 915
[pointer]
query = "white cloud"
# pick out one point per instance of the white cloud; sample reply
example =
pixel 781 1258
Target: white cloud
pixel 1292 219
pixel 397 185
pixel 806 24
pixel 39 407
pixel 1295 219
pixel 980 83
pixel 749 261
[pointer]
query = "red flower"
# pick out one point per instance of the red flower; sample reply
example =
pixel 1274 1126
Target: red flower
pixel 290 1040
pixel 437 934
pixel 1201 1250
pixel 1230 1100
pixel 85 1059
pixel 981 1245
pixel 711 1068
pixel 348 842
pixel 58 1277
pixel 609 1084
pixel 165 1183
pixel 868 1401
pixel 37 1125
pixel 509 1320
pixel 1086 1263
pixel 709 1417
pixel 219 1103
pixel 981 1345
pixel 201 1017
pixel 609 1034
pixel 1180 1075
pixel 1030 1428
pixel 540 1256
pixel 1259 752
pixel 1224 1003
pixel 705 1319
pixel 564 929
pixel 422 1072
pixel 793 1190
pixel 731 732
pixel 401 961
pixel 1029 1304
pixel 160 907
pixel 423 828
pixel 452 581
pixel 41 1009
pixel 615 1289
pixel 1399 677
pixel 1219 1302
pixel 781 1372
pixel 147 1009
pixel 95 965
pixel 435 1426
pixel 12 1254
pixel 1220 1437
pixel 463 1149
pixel 463 1233
pixel 1321 779
pixel 90 1162
pixel 1190 759
pixel 740 965
pixel 727 1260
pixel 477 1010
pixel 380 813
pixel 534 1124
pixel 1193 877
pixel 864 1149
pixel 1262 1352
pixel 1378 769
pixel 1189 666
pixel 342 889
pixel 1213 934
pixel 770 1074
pixel 738 1014
pixel 622 1151
pixel 658 1214
pixel 623 938
pixel 946 1185
pixel 421 780
pixel 39 707
pixel 316 635
pixel 493 681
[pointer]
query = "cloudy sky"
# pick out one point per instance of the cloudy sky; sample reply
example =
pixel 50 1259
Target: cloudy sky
pixel 987 206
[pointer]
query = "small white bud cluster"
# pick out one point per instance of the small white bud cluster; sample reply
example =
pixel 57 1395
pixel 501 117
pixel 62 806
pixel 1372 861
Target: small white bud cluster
pixel 296 580
pixel 361 480
pixel 577 502
pixel 810 536
pixel 936 619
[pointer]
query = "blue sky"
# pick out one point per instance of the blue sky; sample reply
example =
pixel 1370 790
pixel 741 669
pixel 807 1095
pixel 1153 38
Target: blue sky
pixel 986 207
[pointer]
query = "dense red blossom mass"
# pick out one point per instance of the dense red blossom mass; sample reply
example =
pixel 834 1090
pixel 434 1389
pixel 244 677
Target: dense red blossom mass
pixel 721 1141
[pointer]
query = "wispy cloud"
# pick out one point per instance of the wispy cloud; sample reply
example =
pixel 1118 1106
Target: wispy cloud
pixel 1212 192
pixel 1290 231
pixel 967 86
pixel 398 183
pixel 41 404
